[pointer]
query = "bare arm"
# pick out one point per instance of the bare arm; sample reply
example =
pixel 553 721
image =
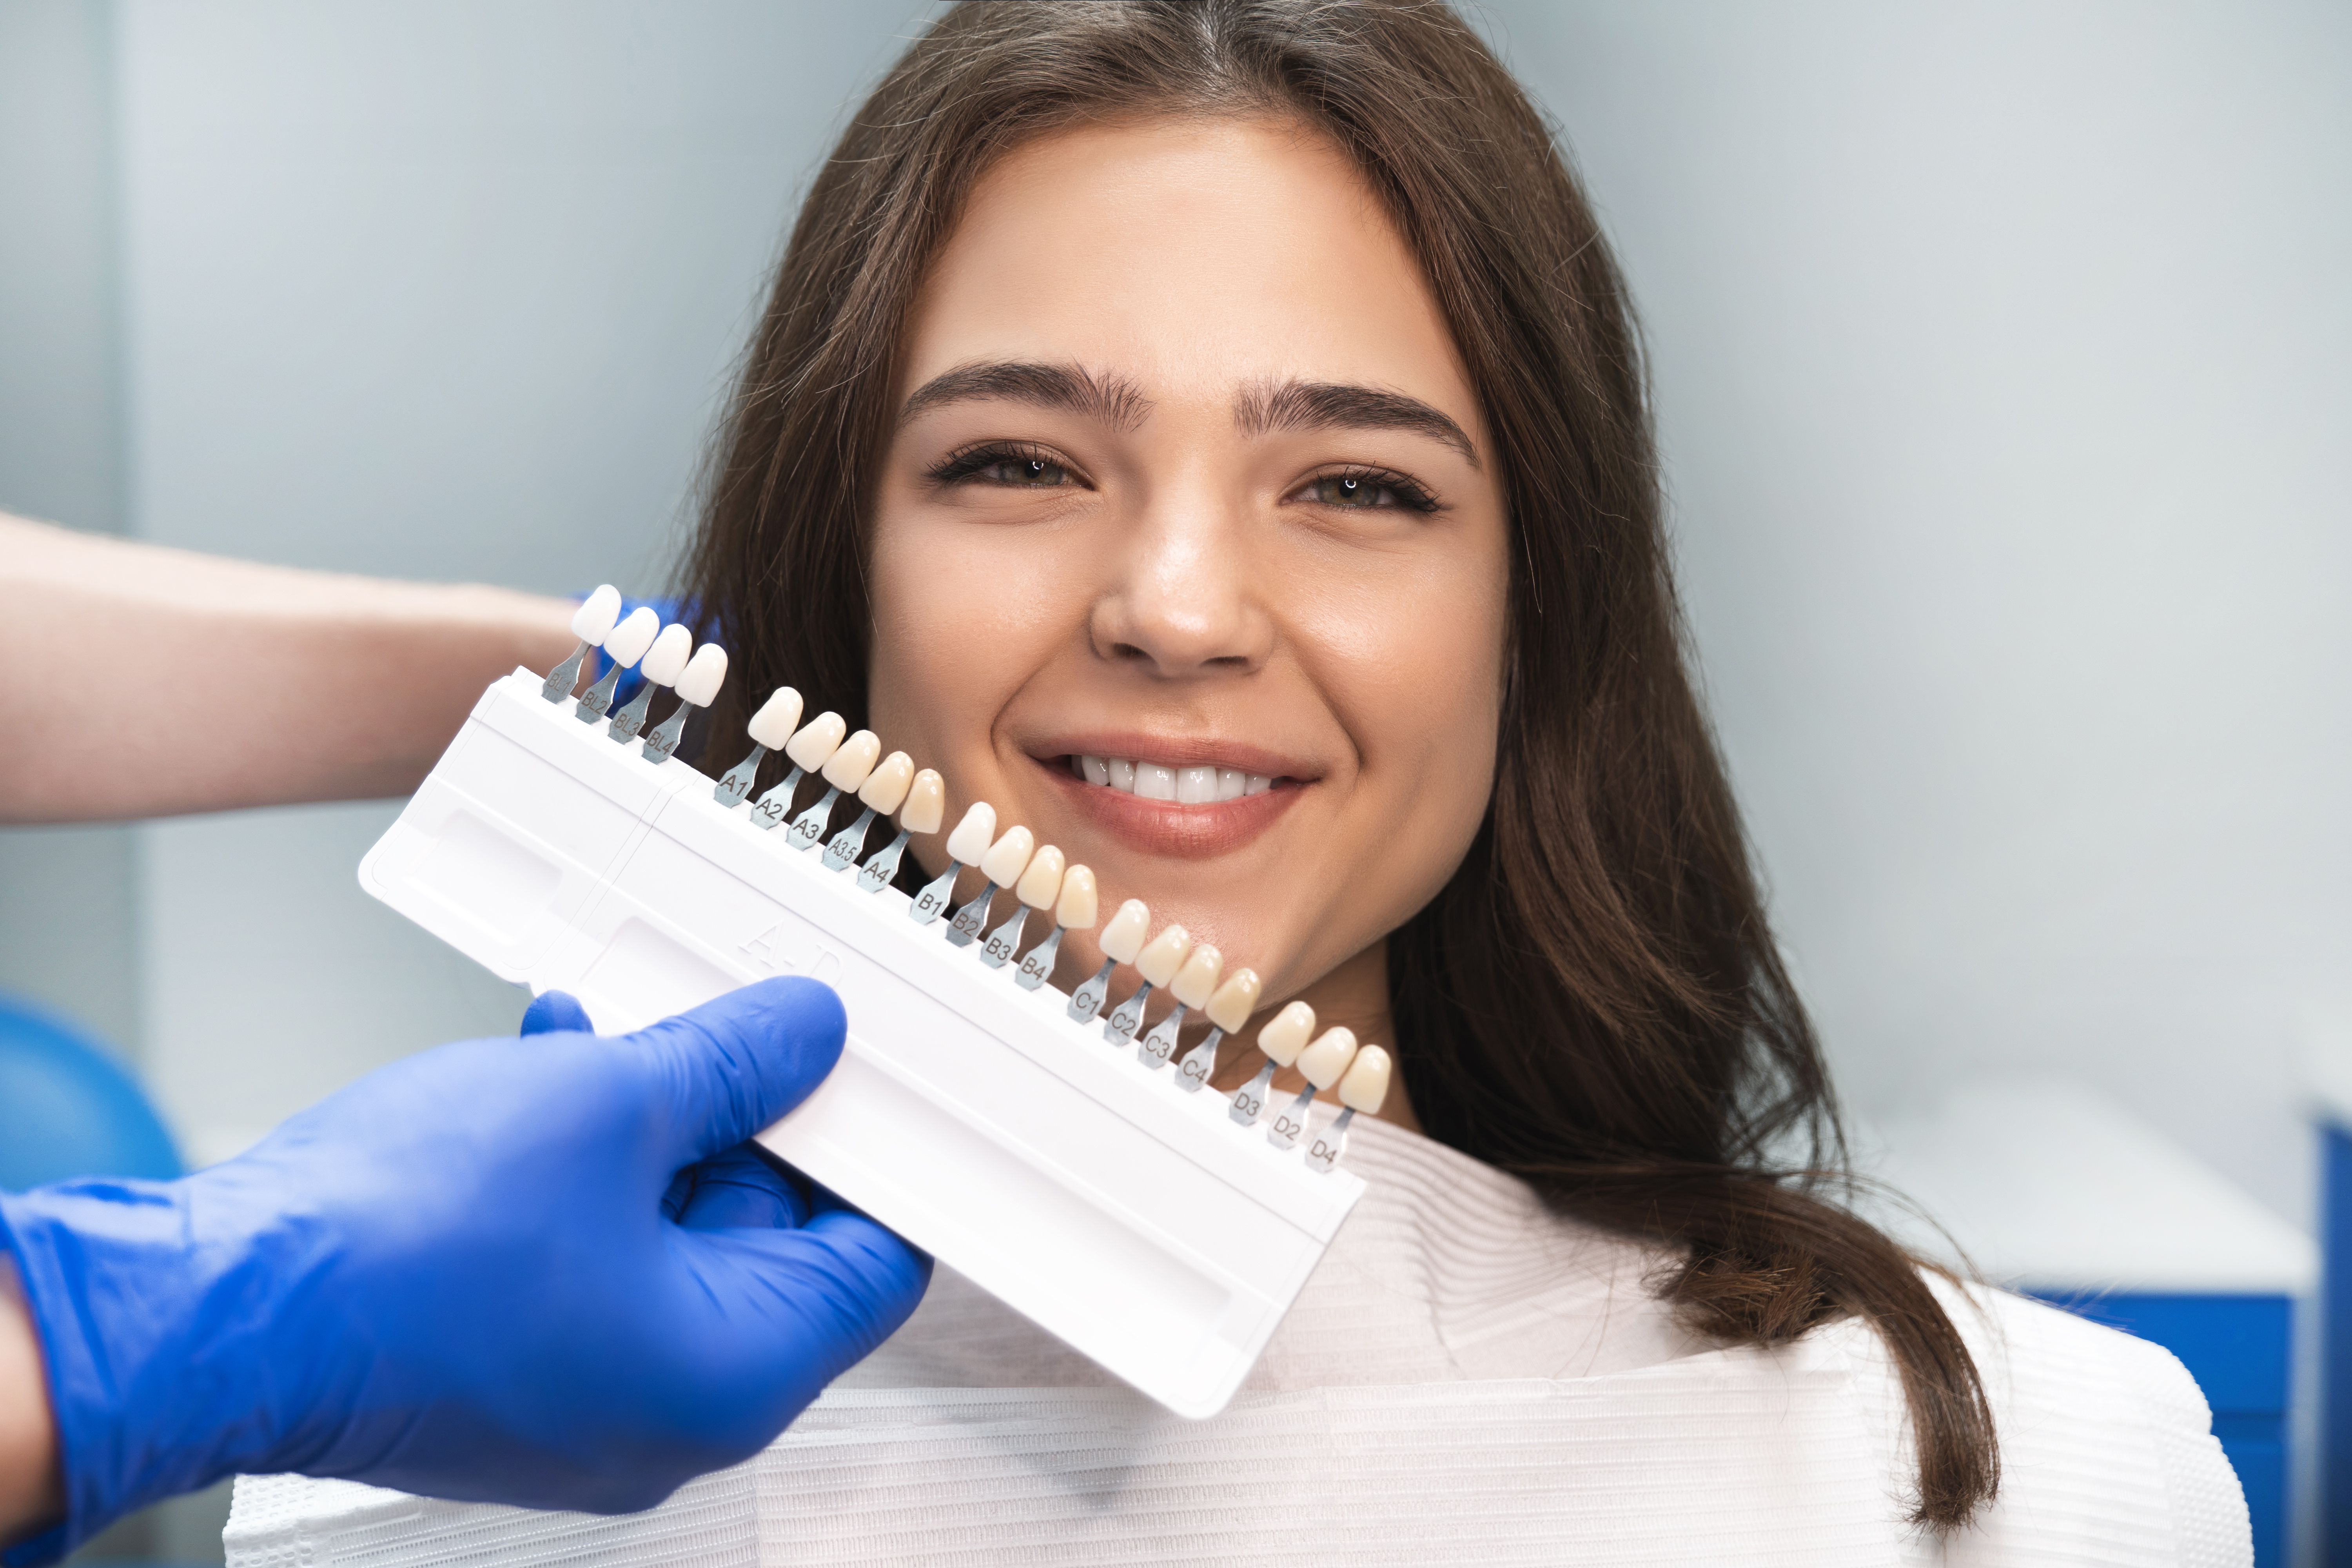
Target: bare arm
pixel 145 681
pixel 29 1491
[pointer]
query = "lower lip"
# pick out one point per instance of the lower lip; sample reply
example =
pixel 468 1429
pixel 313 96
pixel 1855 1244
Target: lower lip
pixel 1163 827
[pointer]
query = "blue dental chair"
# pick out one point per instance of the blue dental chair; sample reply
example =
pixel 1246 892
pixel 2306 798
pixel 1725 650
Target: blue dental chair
pixel 68 1108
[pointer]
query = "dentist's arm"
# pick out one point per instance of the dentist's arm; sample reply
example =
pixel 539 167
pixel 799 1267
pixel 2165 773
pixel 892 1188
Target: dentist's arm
pixel 147 682
pixel 30 1494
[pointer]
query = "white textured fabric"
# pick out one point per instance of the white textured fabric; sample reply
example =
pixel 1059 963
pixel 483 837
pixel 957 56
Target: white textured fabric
pixel 1465 1379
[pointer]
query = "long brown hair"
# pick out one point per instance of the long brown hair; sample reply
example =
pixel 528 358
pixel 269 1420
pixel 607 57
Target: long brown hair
pixel 1594 1002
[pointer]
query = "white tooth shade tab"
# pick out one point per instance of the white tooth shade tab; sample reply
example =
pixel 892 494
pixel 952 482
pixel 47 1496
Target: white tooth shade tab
pixel 1199 975
pixel 597 615
pixel 970 839
pixel 771 726
pixel 1123 938
pixel 1235 1000
pixel 1231 782
pixel 1324 1061
pixel 1095 770
pixel 1122 774
pixel 852 760
pixel 1153 782
pixel 816 741
pixel 1366 1084
pixel 1008 857
pixel 628 641
pixel 1041 884
pixel 1286 1036
pixel 666 660
pixel 1165 954
pixel 1196 786
pixel 926 803
pixel 1076 905
pixel 701 680
pixel 887 784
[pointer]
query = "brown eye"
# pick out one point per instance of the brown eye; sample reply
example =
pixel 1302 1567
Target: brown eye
pixel 1349 489
pixel 1363 490
pixel 1025 472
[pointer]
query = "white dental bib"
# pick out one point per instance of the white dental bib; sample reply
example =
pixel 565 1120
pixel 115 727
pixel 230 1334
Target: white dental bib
pixel 1466 1378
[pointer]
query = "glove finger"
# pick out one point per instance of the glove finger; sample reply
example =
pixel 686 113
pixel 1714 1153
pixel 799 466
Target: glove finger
pixel 725 1069
pixel 553 1010
pixel 838 1286
pixel 736 1190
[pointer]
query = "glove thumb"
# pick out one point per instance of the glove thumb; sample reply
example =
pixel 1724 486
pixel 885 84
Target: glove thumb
pixel 553 1010
pixel 724 1070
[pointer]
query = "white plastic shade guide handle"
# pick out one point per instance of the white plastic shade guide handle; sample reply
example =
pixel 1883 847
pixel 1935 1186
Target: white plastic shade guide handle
pixel 771 726
pixel 665 661
pixel 699 683
pixel 628 641
pixel 598 614
pixel 970 839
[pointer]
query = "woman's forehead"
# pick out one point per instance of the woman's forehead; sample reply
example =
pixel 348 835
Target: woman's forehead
pixel 1186 261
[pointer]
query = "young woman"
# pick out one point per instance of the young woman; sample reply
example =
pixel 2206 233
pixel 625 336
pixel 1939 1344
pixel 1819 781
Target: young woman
pixel 1246 384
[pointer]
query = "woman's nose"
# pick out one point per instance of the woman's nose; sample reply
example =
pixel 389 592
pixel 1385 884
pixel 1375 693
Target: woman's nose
pixel 1182 602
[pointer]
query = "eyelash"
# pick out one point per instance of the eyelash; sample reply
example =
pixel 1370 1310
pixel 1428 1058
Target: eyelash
pixel 967 463
pixel 1408 493
pixel 957 466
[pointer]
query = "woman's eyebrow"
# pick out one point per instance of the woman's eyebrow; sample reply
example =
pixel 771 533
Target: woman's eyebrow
pixel 1112 399
pixel 1330 405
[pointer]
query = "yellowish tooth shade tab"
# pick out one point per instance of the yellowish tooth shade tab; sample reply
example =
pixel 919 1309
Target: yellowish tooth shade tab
pixel 1076 906
pixel 1008 857
pixel 1198 977
pixel 1324 1061
pixel 1286 1036
pixel 1123 938
pixel 926 803
pixel 817 741
pixel 1366 1084
pixel 771 726
pixel 1165 954
pixel 1042 883
pixel 850 766
pixel 886 786
pixel 1234 1000
pixel 970 839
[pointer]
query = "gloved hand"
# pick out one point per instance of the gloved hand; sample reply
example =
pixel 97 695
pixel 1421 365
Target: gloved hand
pixel 489 1272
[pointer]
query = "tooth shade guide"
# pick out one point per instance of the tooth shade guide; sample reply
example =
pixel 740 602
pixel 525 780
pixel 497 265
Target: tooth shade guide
pixel 1231 1006
pixel 628 641
pixel 852 760
pixel 1286 1034
pixel 774 724
pixel 885 789
pixel 1041 884
pixel 696 685
pixel 926 803
pixel 973 834
pixel 1165 954
pixel 1122 939
pixel 1197 978
pixel 591 623
pixel 1009 856
pixel 814 745
pixel 1323 1063
pixel 1077 903
pixel 1365 1086
pixel 665 661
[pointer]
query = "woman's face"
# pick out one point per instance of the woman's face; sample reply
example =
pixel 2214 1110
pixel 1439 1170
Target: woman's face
pixel 1188 476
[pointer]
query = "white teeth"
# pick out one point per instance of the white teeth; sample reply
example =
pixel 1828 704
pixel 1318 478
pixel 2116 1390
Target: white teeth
pixel 1200 785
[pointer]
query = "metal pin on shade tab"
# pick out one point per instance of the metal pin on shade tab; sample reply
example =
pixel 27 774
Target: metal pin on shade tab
pixel 591 623
pixel 624 645
pixel 770 727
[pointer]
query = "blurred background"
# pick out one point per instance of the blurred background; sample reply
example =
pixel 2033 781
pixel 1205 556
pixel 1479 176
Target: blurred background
pixel 2000 355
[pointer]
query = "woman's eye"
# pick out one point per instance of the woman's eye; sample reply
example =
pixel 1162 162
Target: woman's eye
pixel 1027 472
pixel 1360 492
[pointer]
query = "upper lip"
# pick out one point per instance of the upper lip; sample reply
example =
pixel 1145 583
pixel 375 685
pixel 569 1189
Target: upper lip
pixel 1173 753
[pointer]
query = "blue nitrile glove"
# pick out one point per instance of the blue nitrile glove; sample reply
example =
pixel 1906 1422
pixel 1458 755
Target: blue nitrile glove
pixel 474 1274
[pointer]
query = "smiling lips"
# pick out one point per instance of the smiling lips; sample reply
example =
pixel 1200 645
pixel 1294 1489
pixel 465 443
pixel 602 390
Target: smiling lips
pixel 1192 811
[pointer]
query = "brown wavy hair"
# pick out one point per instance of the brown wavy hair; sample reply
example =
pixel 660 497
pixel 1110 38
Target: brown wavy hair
pixel 1594 1002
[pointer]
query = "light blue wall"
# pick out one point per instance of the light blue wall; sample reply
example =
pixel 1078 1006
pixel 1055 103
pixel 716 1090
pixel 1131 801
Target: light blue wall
pixel 2000 355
